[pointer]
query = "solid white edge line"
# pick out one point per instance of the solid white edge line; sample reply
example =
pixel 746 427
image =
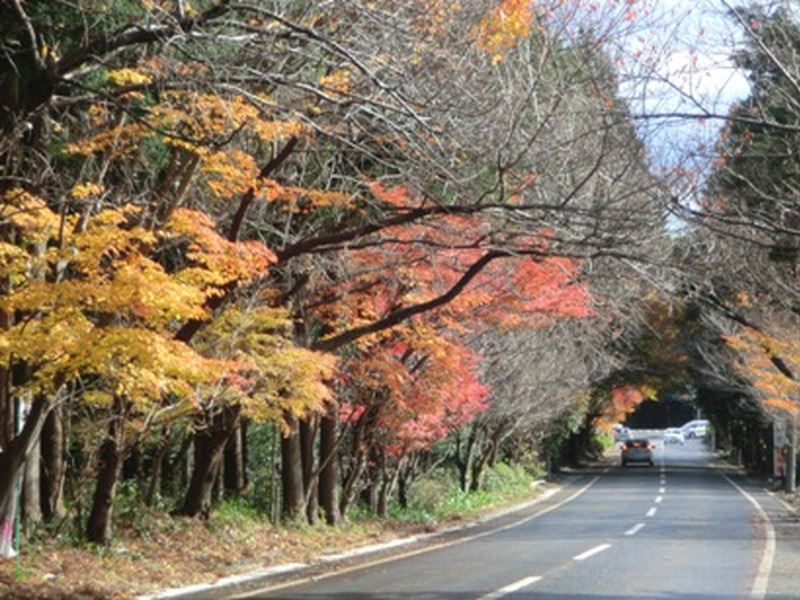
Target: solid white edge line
pixel 651 512
pixel 761 580
pixel 591 552
pixel 635 529
pixel 367 565
pixel 513 587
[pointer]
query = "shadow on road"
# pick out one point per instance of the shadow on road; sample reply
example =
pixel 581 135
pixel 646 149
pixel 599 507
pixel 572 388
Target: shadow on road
pixel 532 595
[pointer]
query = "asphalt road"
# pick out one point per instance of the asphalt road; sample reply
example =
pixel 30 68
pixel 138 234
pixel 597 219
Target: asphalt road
pixel 679 529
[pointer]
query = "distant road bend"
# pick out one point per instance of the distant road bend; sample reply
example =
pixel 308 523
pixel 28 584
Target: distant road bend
pixel 678 530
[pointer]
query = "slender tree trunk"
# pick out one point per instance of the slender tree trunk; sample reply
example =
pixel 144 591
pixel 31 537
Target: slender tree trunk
pixel 389 478
pixel 111 457
pixel 350 485
pixel 236 460
pixel 308 436
pixel 31 488
pixel 328 476
pixel 292 472
pixel 158 467
pixel 791 459
pixel 17 449
pixel 406 472
pixel 53 464
pixel 219 481
pixel 209 445
pixel 358 461
pixel 465 463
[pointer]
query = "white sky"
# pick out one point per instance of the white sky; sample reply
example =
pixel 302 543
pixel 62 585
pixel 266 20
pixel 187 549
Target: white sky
pixel 679 61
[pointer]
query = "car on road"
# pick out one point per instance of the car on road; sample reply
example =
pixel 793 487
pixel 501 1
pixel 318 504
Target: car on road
pixel 673 435
pixel 621 432
pixel 695 429
pixel 637 450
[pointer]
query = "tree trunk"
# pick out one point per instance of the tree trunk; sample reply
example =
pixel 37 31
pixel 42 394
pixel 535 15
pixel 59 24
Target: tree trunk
pixel 405 473
pixel 158 467
pixel 236 460
pixel 53 465
pixel 292 472
pixel 350 485
pixel 16 451
pixel 328 475
pixel 388 482
pixel 209 444
pixel 465 463
pixel 308 435
pixel 791 459
pixel 31 488
pixel 111 457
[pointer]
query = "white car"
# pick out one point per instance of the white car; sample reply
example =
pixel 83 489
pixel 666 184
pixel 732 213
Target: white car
pixel 621 432
pixel 673 435
pixel 695 429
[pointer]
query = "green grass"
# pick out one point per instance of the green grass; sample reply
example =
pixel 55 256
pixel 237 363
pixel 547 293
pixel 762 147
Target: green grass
pixel 440 499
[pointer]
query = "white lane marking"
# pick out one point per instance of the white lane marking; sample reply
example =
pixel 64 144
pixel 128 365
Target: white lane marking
pixel 652 512
pixel 635 529
pixel 591 552
pixel 659 499
pixel 662 490
pixel 759 589
pixel 513 587
pixel 269 588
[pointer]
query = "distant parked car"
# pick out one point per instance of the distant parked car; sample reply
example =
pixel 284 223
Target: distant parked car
pixel 695 429
pixel 637 450
pixel 673 435
pixel 621 432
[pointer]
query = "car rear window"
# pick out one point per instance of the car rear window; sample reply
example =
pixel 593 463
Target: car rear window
pixel 637 443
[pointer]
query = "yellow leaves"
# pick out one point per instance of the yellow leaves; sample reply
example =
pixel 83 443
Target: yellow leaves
pixel 758 354
pixel 336 84
pixel 120 77
pixel 269 131
pixel 207 116
pixel 502 28
pixel 274 376
pixel 118 141
pixel 83 191
pixel 98 398
pixel 300 200
pixel 218 261
pixel 29 215
pixel 230 172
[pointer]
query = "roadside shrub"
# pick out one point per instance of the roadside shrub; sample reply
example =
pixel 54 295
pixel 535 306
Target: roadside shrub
pixel 431 494
pixel 503 477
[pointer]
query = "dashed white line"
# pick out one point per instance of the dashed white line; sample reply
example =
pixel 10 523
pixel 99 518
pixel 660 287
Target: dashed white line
pixel 662 490
pixel 591 552
pixel 659 499
pixel 652 512
pixel 513 587
pixel 635 529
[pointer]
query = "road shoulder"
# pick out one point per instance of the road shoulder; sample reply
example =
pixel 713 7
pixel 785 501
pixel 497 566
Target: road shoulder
pixel 784 578
pixel 553 495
